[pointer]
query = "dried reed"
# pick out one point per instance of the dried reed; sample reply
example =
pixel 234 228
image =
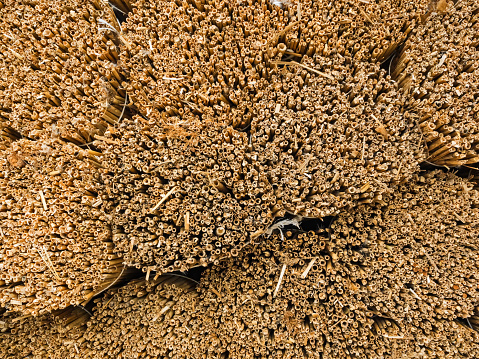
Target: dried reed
pixel 261 305
pixel 144 319
pixel 418 250
pixel 56 336
pixel 438 69
pixel 56 242
pixel 59 74
pixel 242 117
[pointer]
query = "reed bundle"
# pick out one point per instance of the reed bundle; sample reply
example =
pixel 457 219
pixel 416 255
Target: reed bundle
pixel 242 118
pixel 369 31
pixel 188 57
pixel 333 138
pixel 285 297
pixel 201 132
pixel 59 73
pixel 419 250
pixel 193 58
pixel 55 335
pixel 56 244
pixel 300 295
pixel 446 340
pixel 179 202
pixel 144 319
pixel 438 68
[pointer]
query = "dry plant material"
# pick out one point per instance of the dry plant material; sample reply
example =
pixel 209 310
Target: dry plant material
pixel 191 56
pixel 245 111
pixel 57 335
pixel 56 244
pixel 144 319
pixel 367 30
pixel 444 339
pixel 5 143
pixel 325 143
pixel 438 69
pixel 419 250
pixel 238 123
pixel 262 305
pixel 182 201
pixel 196 59
pixel 58 66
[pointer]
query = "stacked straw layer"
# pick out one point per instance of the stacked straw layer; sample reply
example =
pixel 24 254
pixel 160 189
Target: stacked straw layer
pixel 240 122
pixel 59 74
pixel 419 250
pixel 294 296
pixel 143 320
pixel 58 335
pixel 56 242
pixel 438 68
